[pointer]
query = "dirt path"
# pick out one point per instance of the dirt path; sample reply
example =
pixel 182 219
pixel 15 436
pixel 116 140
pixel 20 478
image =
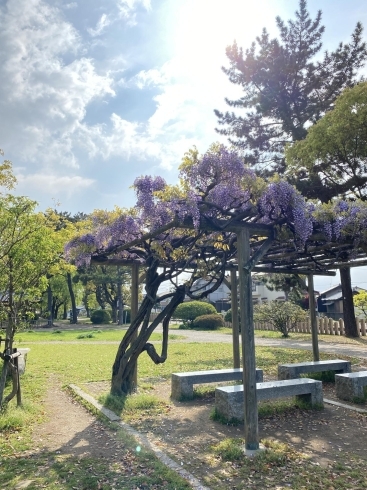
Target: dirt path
pixel 70 429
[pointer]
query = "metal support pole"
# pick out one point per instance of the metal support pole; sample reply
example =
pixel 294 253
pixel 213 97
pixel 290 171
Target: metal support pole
pixel 235 325
pixel 134 309
pixel 248 342
pixel 311 299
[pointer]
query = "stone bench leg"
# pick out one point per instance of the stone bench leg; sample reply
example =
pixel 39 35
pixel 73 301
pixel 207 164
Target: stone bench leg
pixel 181 388
pixel 287 373
pixel 348 388
pixel 315 399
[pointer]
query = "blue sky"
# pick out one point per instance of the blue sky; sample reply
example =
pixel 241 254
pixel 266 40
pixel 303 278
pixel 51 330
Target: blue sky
pixel 95 93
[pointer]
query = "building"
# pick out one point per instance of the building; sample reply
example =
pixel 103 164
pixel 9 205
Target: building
pixel 330 302
pixel 221 297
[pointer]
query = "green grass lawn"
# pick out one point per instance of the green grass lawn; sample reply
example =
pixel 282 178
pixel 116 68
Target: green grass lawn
pixel 90 335
pixel 82 362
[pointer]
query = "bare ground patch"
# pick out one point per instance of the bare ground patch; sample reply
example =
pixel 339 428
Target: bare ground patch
pixel 186 432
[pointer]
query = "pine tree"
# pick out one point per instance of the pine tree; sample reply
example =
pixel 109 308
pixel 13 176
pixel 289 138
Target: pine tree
pixel 286 86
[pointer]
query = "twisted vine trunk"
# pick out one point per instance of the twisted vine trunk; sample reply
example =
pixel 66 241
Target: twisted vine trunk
pixel 129 350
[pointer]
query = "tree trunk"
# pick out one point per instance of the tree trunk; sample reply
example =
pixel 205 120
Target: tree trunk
pixel 74 313
pixel 65 312
pixel 114 313
pixel 50 320
pixel 350 323
pixel 3 376
pixel 9 333
pixel 122 382
pixel 99 296
pixel 57 307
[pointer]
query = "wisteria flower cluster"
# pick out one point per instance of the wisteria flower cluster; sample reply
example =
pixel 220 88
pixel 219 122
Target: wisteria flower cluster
pixel 343 221
pixel 281 202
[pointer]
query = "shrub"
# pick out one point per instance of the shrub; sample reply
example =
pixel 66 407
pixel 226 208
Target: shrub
pixel 209 322
pixel 191 310
pixel 100 316
pixel 228 316
pixel 283 315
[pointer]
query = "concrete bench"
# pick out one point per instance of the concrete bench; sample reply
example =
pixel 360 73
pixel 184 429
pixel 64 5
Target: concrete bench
pixel 229 400
pixel 350 386
pixel 182 384
pixel 292 371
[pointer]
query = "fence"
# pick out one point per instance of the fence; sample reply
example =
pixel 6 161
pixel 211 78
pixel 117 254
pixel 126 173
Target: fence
pixel 326 326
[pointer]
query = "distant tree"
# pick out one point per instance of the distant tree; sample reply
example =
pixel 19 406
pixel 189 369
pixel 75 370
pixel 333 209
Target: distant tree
pixel 292 285
pixel 332 160
pixel 7 178
pixel 60 293
pixel 67 225
pixel 106 282
pixel 283 315
pixel 29 250
pixel 360 301
pixel 287 86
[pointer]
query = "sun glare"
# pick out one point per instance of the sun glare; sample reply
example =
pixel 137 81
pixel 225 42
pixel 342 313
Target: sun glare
pixel 206 27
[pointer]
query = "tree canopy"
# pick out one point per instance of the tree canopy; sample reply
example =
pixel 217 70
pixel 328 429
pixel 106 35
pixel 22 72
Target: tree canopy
pixel 332 160
pixel 29 250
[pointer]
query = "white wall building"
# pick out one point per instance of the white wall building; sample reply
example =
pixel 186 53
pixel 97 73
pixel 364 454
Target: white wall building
pixel 260 293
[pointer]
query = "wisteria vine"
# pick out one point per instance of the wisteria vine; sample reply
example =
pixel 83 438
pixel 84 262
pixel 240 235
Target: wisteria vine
pixel 217 186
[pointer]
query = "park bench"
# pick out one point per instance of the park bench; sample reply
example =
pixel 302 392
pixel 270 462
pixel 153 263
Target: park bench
pixel 292 371
pixel 229 400
pixel 182 384
pixel 351 386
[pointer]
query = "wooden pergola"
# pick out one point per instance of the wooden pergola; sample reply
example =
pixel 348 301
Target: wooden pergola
pixel 260 249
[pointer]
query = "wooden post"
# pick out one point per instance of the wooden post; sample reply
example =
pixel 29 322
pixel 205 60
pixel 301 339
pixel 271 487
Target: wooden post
pixel 19 392
pixel 363 327
pixel 248 342
pixel 120 311
pixel 235 326
pixel 311 299
pixel 134 309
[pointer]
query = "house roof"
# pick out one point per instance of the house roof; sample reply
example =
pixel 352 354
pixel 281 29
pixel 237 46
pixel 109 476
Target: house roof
pixel 326 298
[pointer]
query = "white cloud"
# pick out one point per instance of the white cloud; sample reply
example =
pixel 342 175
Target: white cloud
pixel 43 98
pixel 57 186
pixel 126 9
pixel 103 22
pixel 70 5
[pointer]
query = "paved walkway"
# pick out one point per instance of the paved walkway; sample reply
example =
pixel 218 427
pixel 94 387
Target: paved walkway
pixel 336 348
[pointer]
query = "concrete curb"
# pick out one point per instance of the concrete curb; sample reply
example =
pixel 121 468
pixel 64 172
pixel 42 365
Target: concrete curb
pixel 141 438
pixel 343 405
